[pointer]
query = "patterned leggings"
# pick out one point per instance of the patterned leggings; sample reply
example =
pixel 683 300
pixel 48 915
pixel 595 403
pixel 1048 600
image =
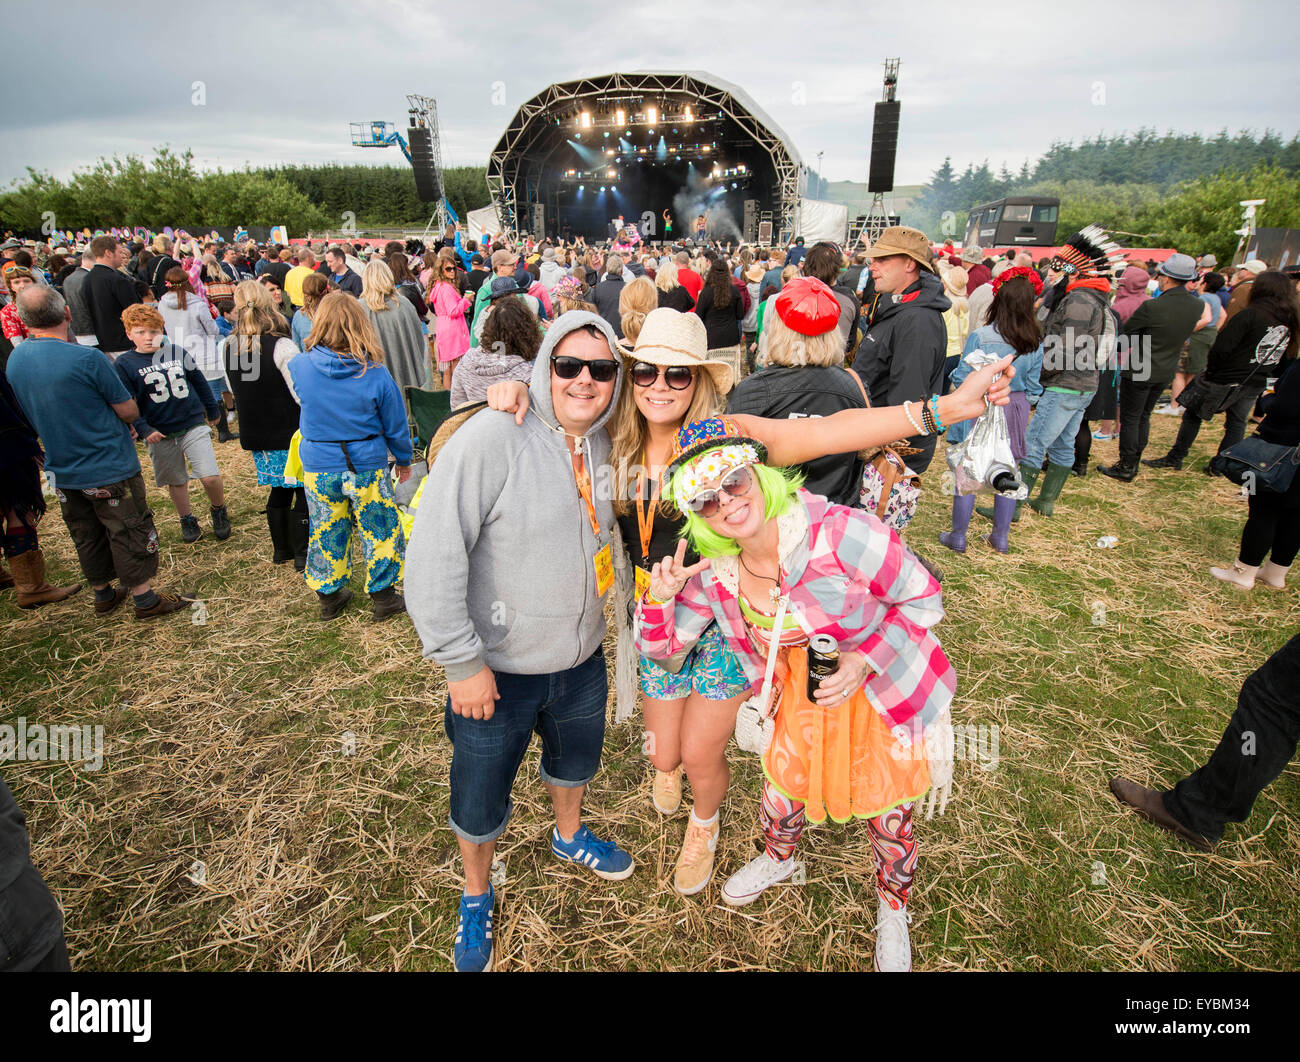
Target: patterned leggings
pixel 339 502
pixel 891 837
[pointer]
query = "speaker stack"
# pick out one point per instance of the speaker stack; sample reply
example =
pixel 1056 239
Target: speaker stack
pixel 751 220
pixel 426 174
pixel 884 146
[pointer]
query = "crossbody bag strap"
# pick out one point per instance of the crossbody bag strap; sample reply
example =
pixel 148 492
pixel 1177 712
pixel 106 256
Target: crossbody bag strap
pixel 772 646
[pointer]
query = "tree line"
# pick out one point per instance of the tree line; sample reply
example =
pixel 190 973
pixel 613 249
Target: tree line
pixel 1175 190
pixel 169 190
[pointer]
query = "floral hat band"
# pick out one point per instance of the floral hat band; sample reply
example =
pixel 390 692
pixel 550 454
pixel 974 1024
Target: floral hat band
pixel 722 448
pixel 714 464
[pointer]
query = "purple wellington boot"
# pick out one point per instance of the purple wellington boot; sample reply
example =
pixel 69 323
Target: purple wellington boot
pixel 1004 509
pixel 962 507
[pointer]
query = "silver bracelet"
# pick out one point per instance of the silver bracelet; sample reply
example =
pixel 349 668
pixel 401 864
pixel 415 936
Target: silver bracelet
pixel 907 408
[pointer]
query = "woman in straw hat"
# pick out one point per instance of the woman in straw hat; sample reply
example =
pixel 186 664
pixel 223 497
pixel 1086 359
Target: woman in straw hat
pixel 691 713
pixel 785 569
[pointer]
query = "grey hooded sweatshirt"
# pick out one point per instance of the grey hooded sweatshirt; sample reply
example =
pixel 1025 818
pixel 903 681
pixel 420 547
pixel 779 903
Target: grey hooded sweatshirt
pixel 499 569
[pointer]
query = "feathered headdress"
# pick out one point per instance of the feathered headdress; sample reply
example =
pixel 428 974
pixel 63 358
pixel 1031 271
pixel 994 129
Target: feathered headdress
pixel 1089 252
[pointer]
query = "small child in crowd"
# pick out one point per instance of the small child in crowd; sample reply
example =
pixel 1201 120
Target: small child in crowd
pixel 174 399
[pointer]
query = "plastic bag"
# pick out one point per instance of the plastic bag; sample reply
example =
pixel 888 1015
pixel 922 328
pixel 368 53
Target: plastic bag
pixel 983 460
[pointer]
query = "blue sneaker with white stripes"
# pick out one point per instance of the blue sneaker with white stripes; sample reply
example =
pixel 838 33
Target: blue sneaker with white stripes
pixel 604 858
pixel 474 949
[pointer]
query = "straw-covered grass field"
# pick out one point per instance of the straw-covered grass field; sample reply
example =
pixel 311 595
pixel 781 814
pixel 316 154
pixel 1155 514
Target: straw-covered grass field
pixel 228 741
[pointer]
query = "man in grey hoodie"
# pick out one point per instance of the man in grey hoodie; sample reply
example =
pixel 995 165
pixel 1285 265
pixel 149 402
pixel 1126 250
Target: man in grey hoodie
pixel 506 571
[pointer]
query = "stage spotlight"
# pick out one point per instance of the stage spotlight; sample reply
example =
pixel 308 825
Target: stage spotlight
pixel 652 132
pixel 734 184
pixel 609 151
pixel 581 187
pixel 602 187
pixel 607 135
pixel 577 136
pixel 650 115
pixel 689 116
pixel 742 167
pixel 610 173
pixel 619 116
pixel 586 119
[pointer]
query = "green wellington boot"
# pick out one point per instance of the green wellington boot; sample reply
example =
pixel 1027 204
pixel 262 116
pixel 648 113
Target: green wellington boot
pixel 1053 481
pixel 1028 476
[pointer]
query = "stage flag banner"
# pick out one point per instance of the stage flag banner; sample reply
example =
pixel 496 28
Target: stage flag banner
pixel 280 234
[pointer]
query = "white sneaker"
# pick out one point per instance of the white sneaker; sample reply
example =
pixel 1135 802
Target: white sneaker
pixel 746 883
pixel 1169 411
pixel 893 945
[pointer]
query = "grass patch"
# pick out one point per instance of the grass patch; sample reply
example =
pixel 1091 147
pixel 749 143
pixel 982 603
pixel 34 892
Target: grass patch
pixel 226 746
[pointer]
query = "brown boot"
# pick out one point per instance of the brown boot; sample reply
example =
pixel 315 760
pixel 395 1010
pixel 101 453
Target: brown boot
pixel 1150 805
pixel 165 605
pixel 385 604
pixel 29 578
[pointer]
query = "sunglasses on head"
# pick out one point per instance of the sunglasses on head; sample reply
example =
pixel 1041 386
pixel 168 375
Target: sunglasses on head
pixel 734 484
pixel 678 377
pixel 567 368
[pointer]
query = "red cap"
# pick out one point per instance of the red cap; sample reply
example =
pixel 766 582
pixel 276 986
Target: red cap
pixel 808 306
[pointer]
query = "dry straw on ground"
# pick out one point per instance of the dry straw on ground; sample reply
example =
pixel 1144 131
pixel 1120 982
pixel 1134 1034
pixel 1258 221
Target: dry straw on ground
pixel 274 791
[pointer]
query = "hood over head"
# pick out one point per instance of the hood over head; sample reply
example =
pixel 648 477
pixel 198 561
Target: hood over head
pixel 540 388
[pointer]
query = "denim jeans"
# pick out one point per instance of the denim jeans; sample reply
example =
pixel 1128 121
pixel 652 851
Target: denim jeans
pixel 1053 428
pixel 565 708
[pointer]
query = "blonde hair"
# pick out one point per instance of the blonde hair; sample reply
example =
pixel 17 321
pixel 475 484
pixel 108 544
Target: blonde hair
pixel 634 302
pixel 666 278
pixel 377 284
pixel 255 313
pixel 629 431
pixel 342 325
pixel 785 346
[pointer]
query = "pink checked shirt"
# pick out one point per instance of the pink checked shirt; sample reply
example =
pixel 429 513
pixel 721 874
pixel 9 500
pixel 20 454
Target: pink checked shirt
pixel 847 575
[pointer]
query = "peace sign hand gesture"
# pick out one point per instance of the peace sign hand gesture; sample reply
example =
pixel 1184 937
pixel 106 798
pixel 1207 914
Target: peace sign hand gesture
pixel 672 573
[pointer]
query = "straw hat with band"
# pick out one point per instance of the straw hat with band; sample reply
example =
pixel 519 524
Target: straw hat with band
pixel 903 240
pixel 754 273
pixel 670 338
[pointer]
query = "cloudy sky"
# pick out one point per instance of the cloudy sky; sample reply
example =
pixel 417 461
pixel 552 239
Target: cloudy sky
pixel 281 80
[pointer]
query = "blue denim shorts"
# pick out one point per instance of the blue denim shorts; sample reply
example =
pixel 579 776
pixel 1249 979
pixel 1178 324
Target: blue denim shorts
pixel 711 669
pixel 566 709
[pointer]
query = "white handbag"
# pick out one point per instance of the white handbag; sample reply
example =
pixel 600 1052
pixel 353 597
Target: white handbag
pixel 756 718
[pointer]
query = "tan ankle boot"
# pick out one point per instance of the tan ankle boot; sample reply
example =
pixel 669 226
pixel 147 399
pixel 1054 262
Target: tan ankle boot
pixel 1273 575
pixel 1240 575
pixel 29 578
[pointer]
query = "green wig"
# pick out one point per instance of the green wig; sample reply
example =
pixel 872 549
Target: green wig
pixel 779 487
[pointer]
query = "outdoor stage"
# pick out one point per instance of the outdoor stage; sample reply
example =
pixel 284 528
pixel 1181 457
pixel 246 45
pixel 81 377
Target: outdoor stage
pixel 634 145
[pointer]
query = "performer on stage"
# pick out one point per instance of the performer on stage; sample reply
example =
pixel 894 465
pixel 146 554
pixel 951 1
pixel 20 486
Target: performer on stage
pixel 668 225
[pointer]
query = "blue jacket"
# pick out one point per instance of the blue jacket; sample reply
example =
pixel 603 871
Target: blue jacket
pixel 346 408
pixel 1027 366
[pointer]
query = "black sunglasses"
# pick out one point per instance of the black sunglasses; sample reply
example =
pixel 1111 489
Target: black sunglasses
pixel 567 368
pixel 678 377
pixel 734 484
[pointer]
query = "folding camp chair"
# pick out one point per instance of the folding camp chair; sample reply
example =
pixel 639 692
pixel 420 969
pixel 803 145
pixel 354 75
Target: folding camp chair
pixel 428 410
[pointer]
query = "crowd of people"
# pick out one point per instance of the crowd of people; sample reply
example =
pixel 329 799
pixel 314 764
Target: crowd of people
pixel 686 429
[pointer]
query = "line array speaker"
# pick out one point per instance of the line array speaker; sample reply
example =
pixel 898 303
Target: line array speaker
pixel 426 176
pixel 884 145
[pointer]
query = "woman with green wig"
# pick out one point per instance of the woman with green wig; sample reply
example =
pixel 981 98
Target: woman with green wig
pixel 779 567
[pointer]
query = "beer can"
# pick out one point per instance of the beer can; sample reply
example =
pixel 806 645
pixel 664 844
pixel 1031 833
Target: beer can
pixel 823 660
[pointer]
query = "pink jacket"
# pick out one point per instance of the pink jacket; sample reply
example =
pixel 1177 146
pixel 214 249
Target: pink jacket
pixel 849 576
pixel 451 333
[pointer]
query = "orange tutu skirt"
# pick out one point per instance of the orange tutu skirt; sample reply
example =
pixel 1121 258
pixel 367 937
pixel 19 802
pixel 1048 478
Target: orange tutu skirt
pixel 841 761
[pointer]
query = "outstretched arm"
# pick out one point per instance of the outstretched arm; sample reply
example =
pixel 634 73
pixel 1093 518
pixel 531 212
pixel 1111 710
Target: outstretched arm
pixel 792 442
